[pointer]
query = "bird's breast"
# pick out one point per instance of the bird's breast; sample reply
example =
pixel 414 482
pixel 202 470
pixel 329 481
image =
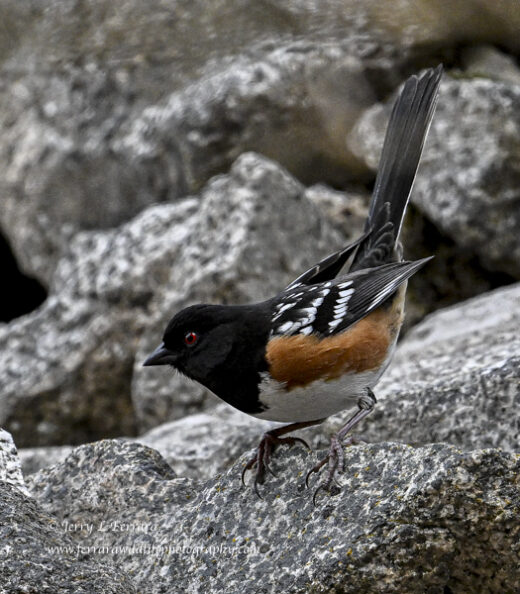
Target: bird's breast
pixel 317 400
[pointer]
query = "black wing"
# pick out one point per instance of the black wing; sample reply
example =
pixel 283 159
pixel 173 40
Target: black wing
pixel 332 307
pixel 328 268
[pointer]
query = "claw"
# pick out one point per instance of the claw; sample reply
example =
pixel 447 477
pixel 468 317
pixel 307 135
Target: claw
pixel 266 458
pixel 315 468
pixel 294 440
pixel 336 461
pixel 322 486
pixel 255 487
pixel 262 456
pixel 248 465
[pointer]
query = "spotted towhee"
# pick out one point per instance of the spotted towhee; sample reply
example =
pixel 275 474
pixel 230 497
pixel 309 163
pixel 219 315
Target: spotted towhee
pixel 321 344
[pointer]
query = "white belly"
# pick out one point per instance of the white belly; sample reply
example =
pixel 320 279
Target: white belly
pixel 316 401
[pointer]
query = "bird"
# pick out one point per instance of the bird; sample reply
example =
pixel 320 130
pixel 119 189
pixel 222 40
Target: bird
pixel 320 345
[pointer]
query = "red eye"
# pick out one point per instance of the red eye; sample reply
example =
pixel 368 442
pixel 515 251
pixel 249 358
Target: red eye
pixel 191 338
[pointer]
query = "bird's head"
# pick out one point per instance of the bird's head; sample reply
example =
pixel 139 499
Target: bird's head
pixel 197 340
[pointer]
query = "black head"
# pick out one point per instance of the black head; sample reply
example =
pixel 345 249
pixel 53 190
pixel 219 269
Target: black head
pixel 201 338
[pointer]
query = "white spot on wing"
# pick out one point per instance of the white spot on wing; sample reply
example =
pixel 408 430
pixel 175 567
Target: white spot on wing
pixel 284 328
pixel 334 324
pixel 310 316
pixel 346 293
pixel 317 302
pixel 285 307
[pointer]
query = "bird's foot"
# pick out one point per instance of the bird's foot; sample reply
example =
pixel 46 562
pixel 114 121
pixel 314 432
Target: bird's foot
pixel 335 459
pixel 263 453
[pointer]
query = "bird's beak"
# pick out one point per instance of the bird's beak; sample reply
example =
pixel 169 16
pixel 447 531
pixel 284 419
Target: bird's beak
pixel 161 356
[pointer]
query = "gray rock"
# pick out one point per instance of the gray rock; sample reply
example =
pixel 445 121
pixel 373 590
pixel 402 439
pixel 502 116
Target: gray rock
pixel 66 369
pixel 294 104
pixel 347 211
pixel 411 520
pixel 101 118
pixel 96 126
pixel 468 180
pixel 10 469
pixel 255 231
pixel 486 61
pixel 36 555
pixel 454 275
pixel 65 373
pixel 202 445
pixel 196 446
pixel 455 378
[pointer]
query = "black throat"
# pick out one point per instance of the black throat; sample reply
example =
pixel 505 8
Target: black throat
pixel 236 379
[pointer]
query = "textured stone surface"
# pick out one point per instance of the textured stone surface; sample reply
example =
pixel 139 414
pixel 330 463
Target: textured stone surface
pixel 455 378
pixel 65 373
pixel 197 446
pixel 455 274
pixel 106 110
pixel 101 117
pixel 470 173
pixel 255 231
pixel 10 469
pixel 37 555
pixel 293 104
pixel 202 445
pixel 405 520
pixel 66 369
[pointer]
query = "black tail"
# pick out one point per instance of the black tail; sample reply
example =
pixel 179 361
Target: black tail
pixel 405 135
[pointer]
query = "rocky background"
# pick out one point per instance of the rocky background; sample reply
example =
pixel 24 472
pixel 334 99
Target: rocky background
pixel 155 154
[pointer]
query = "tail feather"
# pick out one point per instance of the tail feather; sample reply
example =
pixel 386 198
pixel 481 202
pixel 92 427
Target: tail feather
pixel 405 136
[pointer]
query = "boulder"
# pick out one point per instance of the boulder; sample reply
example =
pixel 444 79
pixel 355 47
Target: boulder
pixel 403 519
pixel 34 459
pixel 10 468
pixel 106 111
pixel 36 553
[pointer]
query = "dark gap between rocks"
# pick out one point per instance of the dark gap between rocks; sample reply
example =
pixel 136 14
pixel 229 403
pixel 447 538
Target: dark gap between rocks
pixel 21 294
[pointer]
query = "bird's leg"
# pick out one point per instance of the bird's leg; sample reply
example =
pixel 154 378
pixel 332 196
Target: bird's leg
pixel 335 457
pixel 267 444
